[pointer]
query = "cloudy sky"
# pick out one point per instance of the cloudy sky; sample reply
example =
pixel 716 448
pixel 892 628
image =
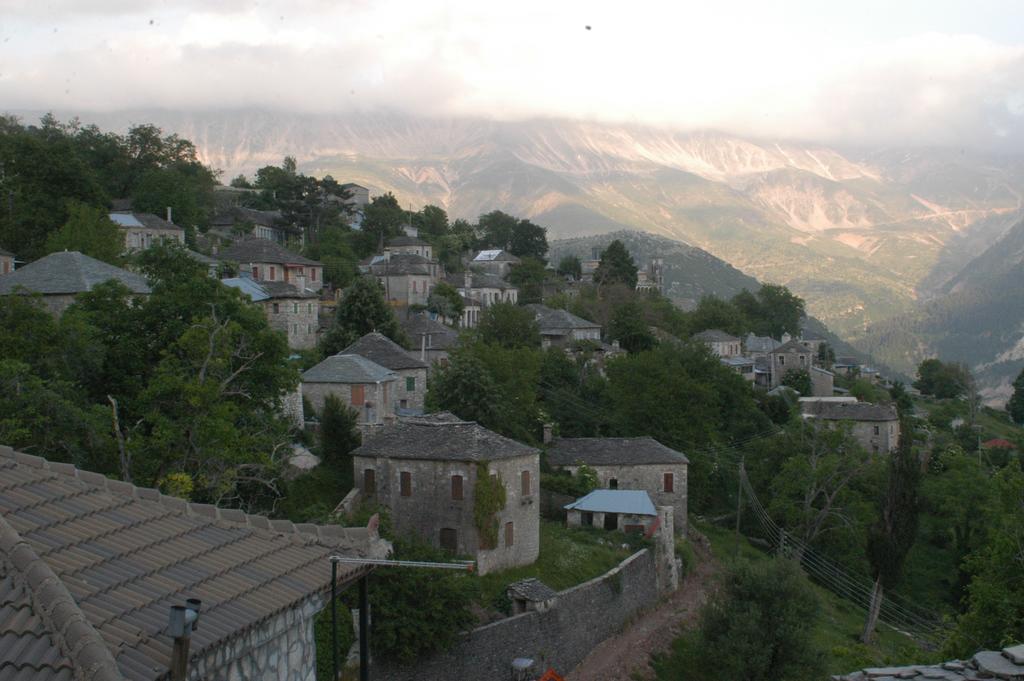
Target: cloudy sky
pixel 864 71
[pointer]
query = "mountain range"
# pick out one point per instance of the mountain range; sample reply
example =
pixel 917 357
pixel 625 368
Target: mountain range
pixel 864 235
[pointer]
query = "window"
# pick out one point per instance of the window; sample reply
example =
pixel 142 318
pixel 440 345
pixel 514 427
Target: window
pixel 255 272
pixel 295 308
pixel 587 519
pixel 876 430
pixel 525 478
pixel 370 481
pixel 782 360
pixel 456 488
pixel 309 328
pixel 670 482
pixel 295 329
pixel 358 396
pixel 449 539
pixel 410 383
pixel 309 308
pixel 277 308
pixel 509 534
pixel 273 273
pixel 613 483
pixel 312 274
pixel 414 289
pixel 403 403
pixel 405 483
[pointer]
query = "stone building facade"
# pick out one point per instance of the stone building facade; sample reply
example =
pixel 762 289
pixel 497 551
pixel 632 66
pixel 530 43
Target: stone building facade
pixel 425 471
pixel 791 356
pixel 6 262
pixel 407 279
pixel 720 342
pixel 486 288
pixel 267 261
pixel 639 463
pixel 362 385
pixel 495 262
pixel 410 388
pixel 293 311
pixel 875 426
pixel 142 230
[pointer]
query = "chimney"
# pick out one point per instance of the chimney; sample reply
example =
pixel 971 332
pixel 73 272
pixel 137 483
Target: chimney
pixel 169 215
pixel 467 279
pixel 548 436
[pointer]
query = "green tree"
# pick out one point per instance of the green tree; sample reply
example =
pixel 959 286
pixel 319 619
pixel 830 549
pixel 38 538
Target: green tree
pixel 781 311
pixel 529 276
pixel 892 535
pixel 431 221
pixel 445 301
pixel 630 328
pixel 361 310
pixel 509 326
pixel 1016 404
pixel 758 627
pixel 715 313
pixel 941 379
pixel 383 219
pixel 799 380
pixel 570 266
pixel 89 231
pixel 339 435
pixel 465 388
pixel 616 266
pixel 519 237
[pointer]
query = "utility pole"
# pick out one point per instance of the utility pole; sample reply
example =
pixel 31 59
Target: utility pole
pixel 739 504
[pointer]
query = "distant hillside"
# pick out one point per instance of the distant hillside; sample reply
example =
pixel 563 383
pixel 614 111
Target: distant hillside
pixel 979 320
pixel 861 235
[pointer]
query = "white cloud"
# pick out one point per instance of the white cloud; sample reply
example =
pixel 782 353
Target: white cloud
pixel 732 67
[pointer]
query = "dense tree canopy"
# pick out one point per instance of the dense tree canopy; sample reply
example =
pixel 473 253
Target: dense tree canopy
pixel 518 236
pixel 616 266
pixel 941 379
pixel 361 310
pixel 89 231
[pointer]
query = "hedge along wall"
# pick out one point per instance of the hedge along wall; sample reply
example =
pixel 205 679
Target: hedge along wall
pixel 581 618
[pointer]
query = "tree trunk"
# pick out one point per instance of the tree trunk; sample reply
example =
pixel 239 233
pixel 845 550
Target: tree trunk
pixel 122 445
pixel 873 609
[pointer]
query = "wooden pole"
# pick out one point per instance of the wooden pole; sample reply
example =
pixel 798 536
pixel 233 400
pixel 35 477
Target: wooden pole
pixel 179 658
pixel 364 630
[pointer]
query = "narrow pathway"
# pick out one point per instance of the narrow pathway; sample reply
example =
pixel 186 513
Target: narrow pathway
pixel 627 655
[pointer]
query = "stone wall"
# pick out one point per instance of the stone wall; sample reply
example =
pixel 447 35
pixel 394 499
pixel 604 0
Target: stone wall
pixel 379 394
pixel 651 479
pixel 282 648
pixel 580 619
pixel 297 318
pixel 413 398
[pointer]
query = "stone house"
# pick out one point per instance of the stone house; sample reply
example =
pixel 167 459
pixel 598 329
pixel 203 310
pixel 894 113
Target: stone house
pixel 60 277
pixel 822 382
pixel 630 463
pixel 411 387
pixel 425 471
pixel 486 288
pixel 431 340
pixel 759 347
pixel 813 341
pixel 87 586
pixel 614 509
pixel 407 279
pixel 875 426
pixel 562 328
pixel 530 595
pixel 259 224
pixel 364 386
pixel 791 356
pixel 495 262
pixel 267 261
pixel 142 230
pixel 744 366
pixel 293 311
pixel 720 342
pixel 409 245
pixel 471 310
pixel 6 262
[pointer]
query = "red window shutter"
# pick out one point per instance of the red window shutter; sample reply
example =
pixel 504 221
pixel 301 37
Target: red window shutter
pixel 358 396
pixel 526 483
pixel 457 488
pixel 509 534
pixel 370 481
pixel 669 482
pixel 405 478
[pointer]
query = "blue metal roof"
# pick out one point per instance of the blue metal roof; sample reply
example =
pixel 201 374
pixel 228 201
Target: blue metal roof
pixel 631 501
pixel 248 287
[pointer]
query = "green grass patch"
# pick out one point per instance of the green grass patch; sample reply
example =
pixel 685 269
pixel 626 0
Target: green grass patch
pixel 840 624
pixel 568 556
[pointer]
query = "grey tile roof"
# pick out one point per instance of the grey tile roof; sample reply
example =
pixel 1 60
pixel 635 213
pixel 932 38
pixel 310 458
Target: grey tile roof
pixel 263 250
pixel 631 501
pixel 439 336
pixel 281 289
pixel 557 319
pixel 737 361
pixel 793 346
pixel 441 437
pixel 228 218
pixel 378 348
pixel 531 589
pixel 348 369
pixel 987 664
pixel 611 451
pixel 401 264
pixel 201 258
pixel 89 568
pixel 852 411
pixel 478 281
pixel 407 241
pixel 68 272
pixel 247 286
pixel 127 218
pixel 715 336
pixel 760 343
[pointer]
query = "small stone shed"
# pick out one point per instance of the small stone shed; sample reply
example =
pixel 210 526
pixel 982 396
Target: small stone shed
pixel 411 387
pixel 529 595
pixel 634 463
pixel 627 510
pixel 425 471
pixel 90 567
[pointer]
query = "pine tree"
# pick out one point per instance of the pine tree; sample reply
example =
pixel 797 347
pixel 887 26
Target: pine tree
pixel 1016 404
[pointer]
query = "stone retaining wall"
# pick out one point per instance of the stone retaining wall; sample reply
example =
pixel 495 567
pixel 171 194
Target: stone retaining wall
pixel 581 618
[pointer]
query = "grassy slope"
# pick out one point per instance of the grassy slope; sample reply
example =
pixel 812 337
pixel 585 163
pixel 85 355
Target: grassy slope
pixel 839 628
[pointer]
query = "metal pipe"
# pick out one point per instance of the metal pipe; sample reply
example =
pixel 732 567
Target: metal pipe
pixel 466 565
pixel 364 629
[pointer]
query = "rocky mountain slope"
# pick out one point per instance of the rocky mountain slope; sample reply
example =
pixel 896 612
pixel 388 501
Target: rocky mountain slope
pixel 861 235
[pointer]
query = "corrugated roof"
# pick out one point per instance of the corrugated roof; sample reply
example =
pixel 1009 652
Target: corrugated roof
pixel 68 272
pixel 89 568
pixel 247 286
pixel 263 250
pixel 611 451
pixel 495 255
pixel 348 369
pixel 378 348
pixel 630 501
pixel 443 437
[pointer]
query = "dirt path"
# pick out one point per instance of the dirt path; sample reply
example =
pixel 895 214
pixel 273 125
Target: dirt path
pixel 627 655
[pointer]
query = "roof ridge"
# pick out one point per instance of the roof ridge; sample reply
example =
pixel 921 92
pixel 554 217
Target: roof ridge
pixel 78 640
pixel 328 534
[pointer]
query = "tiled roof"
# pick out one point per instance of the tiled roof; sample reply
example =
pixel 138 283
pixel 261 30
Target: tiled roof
pixel 401 264
pixel 611 451
pixel 407 241
pixel 68 272
pixel 531 589
pixel 439 336
pixel 630 501
pixel 263 250
pixel 478 281
pixel 247 286
pixel 736 361
pixel 201 258
pixel 281 289
pixel 556 319
pixel 715 336
pixel 378 348
pixel 792 346
pixel 852 411
pixel 131 219
pixel 347 369
pixel 442 437
pixel 987 664
pixel 760 343
pixel 495 255
pixel 89 568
